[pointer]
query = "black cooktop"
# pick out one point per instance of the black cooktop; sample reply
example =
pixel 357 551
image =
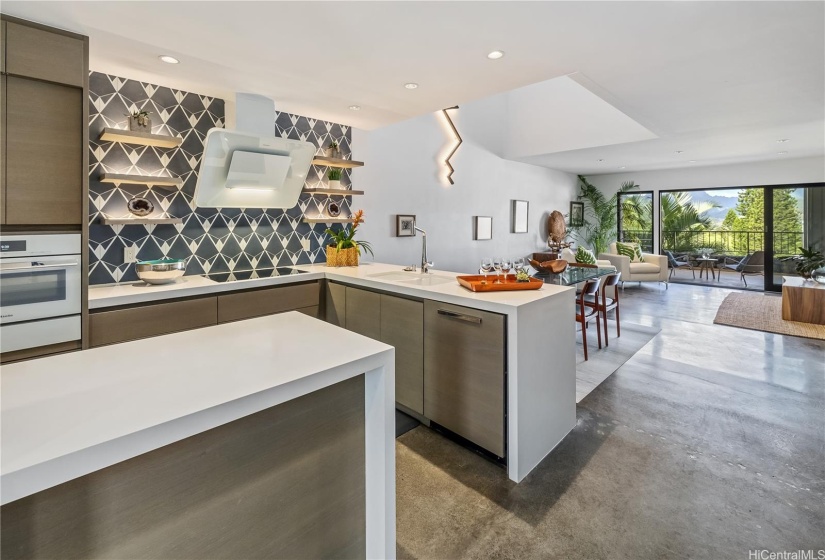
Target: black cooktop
pixel 250 274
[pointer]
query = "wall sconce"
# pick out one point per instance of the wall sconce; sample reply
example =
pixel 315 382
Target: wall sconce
pixel 455 148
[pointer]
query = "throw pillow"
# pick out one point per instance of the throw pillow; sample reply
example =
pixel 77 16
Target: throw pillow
pixel 630 250
pixel 585 256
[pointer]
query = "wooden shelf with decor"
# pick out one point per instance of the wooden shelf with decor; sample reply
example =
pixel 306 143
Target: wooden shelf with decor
pixel 333 192
pixel 141 180
pixel 329 221
pixel 138 221
pixel 141 138
pixel 336 162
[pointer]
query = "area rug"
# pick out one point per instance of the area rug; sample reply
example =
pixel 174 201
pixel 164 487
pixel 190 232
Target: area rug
pixel 762 312
pixel 603 363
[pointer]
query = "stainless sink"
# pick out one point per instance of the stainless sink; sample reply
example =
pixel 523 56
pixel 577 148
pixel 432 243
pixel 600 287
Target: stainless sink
pixel 393 276
pixel 428 280
pixel 413 278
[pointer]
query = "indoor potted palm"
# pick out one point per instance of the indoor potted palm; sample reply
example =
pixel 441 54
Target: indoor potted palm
pixel 343 249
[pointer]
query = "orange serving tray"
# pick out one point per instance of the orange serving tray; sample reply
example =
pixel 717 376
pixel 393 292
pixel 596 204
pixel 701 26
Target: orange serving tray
pixel 475 283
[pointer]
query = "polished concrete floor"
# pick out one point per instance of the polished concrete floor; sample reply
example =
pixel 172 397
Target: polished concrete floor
pixel 708 443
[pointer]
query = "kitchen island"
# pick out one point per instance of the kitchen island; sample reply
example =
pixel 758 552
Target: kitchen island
pixel 238 440
pixel 537 371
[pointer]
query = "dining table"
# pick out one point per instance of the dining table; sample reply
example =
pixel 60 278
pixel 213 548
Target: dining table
pixel 573 275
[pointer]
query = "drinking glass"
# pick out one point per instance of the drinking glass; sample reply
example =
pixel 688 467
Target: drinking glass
pixel 506 265
pixel 486 267
pixel 497 266
pixel 519 264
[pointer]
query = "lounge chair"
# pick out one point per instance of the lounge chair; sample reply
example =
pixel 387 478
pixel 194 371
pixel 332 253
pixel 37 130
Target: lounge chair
pixel 674 263
pixel 751 265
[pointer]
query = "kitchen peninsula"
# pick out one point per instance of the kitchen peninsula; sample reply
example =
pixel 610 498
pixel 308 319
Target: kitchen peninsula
pixel 511 389
pixel 198 436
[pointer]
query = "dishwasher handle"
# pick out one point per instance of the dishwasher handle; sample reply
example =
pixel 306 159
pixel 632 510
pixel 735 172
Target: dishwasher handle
pixel 460 316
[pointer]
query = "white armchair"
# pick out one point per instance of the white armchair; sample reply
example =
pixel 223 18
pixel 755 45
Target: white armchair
pixel 653 269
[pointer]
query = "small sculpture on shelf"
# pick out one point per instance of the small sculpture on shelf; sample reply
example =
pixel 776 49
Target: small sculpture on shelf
pixel 140 121
pixel 333 150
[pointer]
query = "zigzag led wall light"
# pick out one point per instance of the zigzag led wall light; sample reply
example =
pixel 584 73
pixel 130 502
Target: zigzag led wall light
pixel 455 148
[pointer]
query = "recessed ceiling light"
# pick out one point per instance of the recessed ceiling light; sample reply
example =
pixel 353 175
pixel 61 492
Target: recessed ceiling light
pixel 169 59
pixel 355 107
pixel 692 161
pixel 600 160
pixel 411 85
pixel 781 153
pixel 782 140
pixel 679 152
pixel 623 167
pixel 495 55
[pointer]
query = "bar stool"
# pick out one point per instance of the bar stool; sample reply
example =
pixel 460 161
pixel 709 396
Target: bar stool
pixel 587 311
pixel 610 303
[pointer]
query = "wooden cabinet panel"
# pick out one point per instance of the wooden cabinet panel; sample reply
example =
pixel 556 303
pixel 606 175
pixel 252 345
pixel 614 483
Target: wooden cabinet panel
pixel 109 327
pixel 41 54
pixel 312 311
pixel 256 303
pixel 464 373
pixel 335 304
pixel 44 153
pixel 402 326
pixel 363 311
pixel 3 113
pixel 2 46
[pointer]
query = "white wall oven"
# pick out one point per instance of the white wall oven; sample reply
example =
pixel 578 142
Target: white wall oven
pixel 40 290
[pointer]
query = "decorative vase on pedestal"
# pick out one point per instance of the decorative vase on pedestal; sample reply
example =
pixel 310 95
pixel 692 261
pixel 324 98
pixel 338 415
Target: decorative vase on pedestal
pixel 140 124
pixel 342 257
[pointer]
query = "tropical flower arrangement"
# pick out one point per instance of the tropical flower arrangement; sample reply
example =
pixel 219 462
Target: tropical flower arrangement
pixel 344 249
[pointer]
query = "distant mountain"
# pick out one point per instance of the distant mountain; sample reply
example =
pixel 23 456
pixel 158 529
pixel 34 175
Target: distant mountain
pixel 725 203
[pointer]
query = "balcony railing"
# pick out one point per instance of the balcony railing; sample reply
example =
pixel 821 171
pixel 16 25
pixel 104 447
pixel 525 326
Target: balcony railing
pixel 785 243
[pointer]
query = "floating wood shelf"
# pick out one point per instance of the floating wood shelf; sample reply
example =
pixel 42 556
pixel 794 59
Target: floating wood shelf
pixel 141 180
pixel 336 162
pixel 138 221
pixel 333 192
pixel 329 221
pixel 142 138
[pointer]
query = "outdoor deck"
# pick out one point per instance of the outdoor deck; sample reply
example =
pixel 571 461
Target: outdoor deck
pixel 724 279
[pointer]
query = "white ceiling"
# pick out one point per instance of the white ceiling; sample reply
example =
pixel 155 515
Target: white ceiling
pixel 721 81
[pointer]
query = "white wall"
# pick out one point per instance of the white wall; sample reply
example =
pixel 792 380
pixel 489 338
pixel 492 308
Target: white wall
pixel 404 174
pixel 775 172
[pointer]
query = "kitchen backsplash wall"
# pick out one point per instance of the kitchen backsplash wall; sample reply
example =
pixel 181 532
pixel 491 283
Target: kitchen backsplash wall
pixel 217 240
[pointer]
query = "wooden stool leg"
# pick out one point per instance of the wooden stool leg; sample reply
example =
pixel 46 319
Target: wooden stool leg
pixel 584 336
pixel 599 330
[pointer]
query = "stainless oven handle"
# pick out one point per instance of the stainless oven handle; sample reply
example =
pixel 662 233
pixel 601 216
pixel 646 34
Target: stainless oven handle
pixel 12 268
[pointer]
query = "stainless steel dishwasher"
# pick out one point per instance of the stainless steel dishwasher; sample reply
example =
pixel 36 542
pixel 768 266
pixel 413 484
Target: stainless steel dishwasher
pixel 464 373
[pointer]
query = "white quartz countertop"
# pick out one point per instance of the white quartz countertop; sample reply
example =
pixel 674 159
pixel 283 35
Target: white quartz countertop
pixel 68 415
pixel 363 275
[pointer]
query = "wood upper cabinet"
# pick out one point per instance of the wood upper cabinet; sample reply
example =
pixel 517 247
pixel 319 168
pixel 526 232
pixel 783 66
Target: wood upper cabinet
pixel 402 326
pixel 257 303
pixel 43 139
pixel 363 312
pixel 464 372
pixel 3 166
pixel 44 55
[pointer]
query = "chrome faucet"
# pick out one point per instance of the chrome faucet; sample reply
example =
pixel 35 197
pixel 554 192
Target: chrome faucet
pixel 425 265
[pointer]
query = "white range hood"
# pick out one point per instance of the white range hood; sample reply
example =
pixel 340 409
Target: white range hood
pixel 249 167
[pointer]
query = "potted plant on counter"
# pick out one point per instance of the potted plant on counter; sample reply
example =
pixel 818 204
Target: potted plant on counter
pixel 344 250
pixel 808 262
pixel 334 176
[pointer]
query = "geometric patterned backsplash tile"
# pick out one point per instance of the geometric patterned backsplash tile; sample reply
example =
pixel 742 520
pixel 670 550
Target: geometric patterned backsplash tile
pixel 215 240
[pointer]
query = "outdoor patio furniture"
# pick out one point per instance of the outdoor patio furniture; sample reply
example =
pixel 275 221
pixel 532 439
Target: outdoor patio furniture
pixel 751 265
pixel 675 263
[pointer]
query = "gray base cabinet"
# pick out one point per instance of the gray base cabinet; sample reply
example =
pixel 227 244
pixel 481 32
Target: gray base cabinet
pixel 464 373
pixel 402 326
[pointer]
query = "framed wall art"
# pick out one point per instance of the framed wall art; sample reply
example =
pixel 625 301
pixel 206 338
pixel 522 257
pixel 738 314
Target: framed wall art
pixel 404 225
pixel 483 226
pixel 519 216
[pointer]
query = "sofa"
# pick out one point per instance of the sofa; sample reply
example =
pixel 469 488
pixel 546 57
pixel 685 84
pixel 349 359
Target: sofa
pixel 653 269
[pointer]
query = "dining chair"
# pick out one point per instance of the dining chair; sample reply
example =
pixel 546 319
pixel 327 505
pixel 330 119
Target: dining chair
pixel 587 311
pixel 608 303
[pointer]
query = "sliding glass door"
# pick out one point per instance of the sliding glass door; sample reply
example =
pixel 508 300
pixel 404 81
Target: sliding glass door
pixel 795 218
pixel 636 219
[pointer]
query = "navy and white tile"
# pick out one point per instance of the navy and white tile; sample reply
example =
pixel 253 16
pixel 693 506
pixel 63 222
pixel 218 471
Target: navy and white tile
pixel 215 240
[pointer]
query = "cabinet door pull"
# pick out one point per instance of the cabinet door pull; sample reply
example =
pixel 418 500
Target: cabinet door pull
pixel 460 316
